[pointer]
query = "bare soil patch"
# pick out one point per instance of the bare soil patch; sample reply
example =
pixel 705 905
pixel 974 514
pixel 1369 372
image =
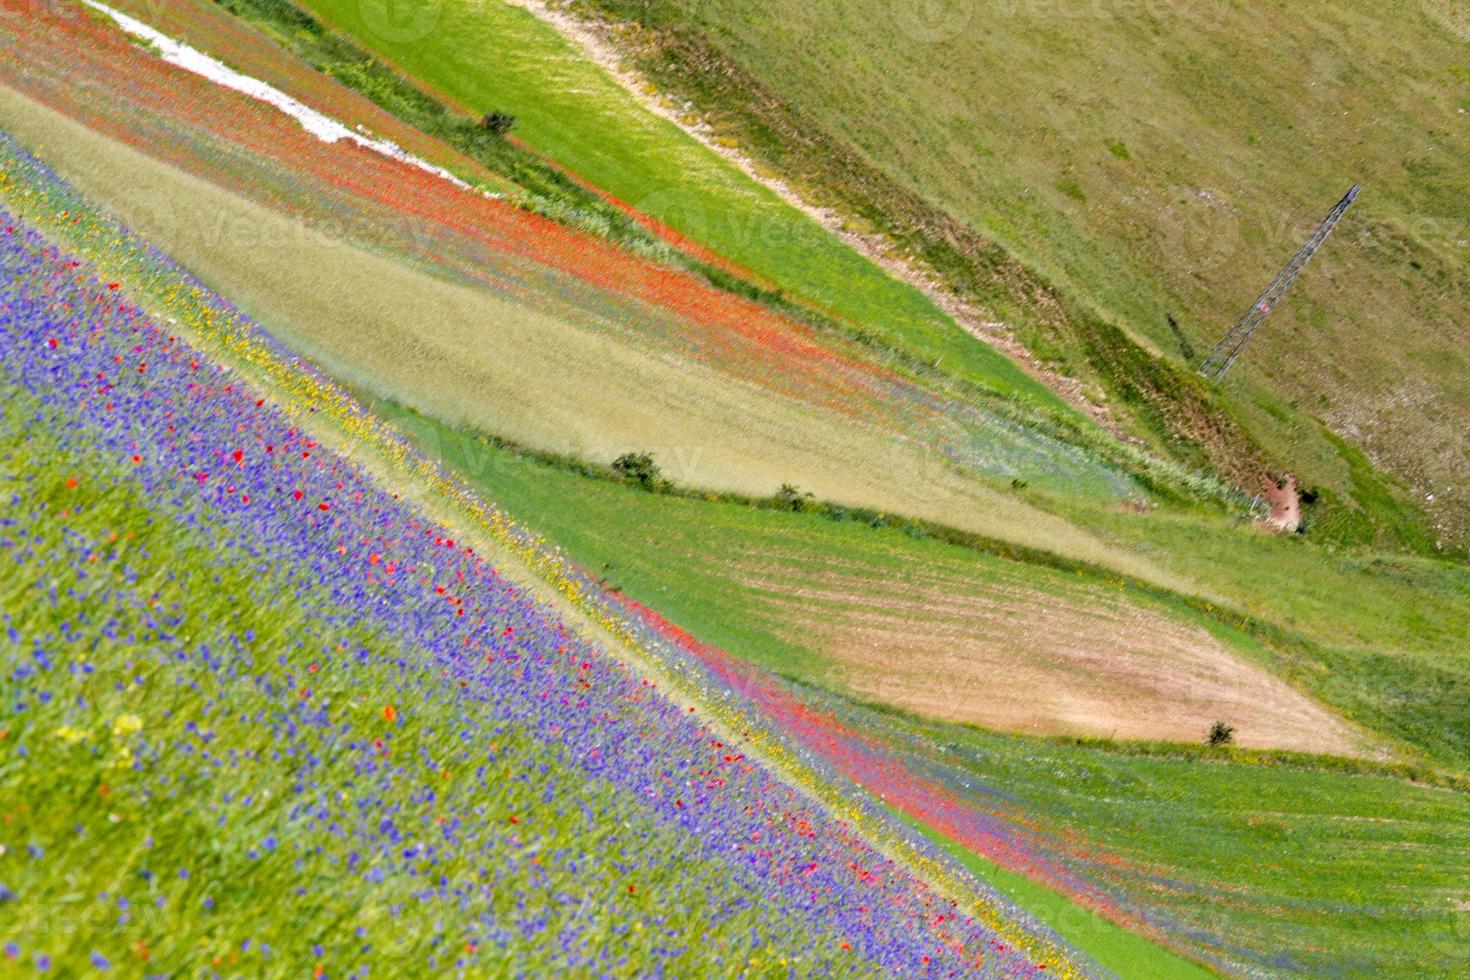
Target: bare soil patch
pixel 1286 503
pixel 1082 663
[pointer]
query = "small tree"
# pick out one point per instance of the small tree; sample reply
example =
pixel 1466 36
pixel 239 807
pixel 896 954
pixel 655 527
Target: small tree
pixel 1221 734
pixel 792 497
pixel 639 468
pixel 498 123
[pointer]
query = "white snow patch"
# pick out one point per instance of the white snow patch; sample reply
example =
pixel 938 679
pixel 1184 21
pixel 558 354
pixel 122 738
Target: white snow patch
pixel 318 124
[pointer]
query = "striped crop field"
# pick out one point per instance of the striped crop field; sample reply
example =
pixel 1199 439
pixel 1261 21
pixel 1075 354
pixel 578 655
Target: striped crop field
pixel 496 55
pixel 742 387
pixel 241 666
pixel 520 488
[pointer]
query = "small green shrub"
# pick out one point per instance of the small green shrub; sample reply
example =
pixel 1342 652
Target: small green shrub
pixel 1071 188
pixel 638 468
pixel 1221 734
pixel 793 498
pixel 498 123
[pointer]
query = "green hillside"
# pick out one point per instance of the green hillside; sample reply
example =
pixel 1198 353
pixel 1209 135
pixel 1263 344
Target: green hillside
pixel 1033 618
pixel 1143 162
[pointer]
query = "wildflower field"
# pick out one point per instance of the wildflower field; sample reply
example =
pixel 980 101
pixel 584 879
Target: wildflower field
pixel 239 667
pixel 458 519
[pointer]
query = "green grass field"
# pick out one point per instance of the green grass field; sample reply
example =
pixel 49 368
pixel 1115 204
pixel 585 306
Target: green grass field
pixel 1151 162
pixel 1286 867
pixel 917 622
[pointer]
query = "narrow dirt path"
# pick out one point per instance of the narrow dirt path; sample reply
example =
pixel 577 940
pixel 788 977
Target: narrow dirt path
pixel 597 39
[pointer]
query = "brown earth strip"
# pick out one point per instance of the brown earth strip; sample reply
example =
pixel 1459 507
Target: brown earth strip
pixel 1023 659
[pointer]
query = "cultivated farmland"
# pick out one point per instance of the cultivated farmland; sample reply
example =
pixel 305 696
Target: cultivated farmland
pixel 468 511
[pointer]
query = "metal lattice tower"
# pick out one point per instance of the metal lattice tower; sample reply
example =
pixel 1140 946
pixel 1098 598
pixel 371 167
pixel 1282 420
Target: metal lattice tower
pixel 1223 357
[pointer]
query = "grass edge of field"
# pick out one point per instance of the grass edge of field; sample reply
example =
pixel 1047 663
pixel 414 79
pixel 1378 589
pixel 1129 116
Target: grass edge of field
pixel 1114 947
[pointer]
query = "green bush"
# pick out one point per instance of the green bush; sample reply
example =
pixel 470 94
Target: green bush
pixel 793 498
pixel 498 123
pixel 638 468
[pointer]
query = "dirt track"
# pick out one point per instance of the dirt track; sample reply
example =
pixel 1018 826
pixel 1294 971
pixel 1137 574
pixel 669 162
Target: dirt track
pixel 597 44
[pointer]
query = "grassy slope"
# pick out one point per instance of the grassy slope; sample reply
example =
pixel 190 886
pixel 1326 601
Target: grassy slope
pixel 1379 636
pixel 1155 161
pixel 1319 871
pixel 1287 851
pixel 491 55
